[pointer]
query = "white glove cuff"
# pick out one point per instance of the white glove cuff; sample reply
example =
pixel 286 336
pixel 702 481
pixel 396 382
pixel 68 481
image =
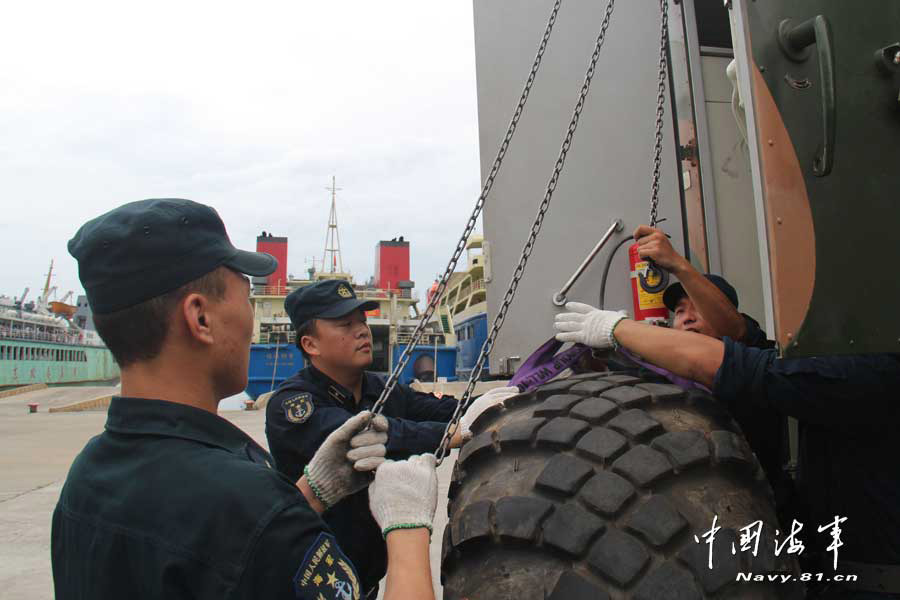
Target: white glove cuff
pixel 391 528
pixel 321 485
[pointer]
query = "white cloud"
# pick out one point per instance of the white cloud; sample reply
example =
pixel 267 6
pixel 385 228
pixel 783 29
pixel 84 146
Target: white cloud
pixel 249 110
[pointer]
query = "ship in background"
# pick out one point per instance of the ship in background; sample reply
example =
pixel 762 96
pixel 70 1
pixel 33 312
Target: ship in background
pixel 274 355
pixel 51 342
pixel 461 314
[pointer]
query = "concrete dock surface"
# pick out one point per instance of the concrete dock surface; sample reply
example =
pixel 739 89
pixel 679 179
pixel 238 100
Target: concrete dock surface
pixel 35 453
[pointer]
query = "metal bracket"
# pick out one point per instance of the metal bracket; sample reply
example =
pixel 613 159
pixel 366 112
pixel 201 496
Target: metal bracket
pixel 688 152
pixel 559 299
pixel 506 366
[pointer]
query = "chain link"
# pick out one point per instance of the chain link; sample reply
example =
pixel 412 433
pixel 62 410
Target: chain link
pixel 444 446
pixel 473 219
pixel 660 110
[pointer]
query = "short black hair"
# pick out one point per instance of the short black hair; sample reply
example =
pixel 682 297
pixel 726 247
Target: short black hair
pixel 137 333
pixel 307 328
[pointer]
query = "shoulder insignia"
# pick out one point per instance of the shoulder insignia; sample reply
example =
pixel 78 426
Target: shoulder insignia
pixel 299 408
pixel 326 573
pixel 344 292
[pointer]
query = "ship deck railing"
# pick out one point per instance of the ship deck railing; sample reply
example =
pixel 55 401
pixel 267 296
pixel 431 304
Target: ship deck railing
pixel 40 336
pixel 277 337
pixel 373 294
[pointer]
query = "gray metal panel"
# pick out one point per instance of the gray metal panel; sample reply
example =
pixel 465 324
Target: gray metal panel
pixel 607 174
pixel 733 185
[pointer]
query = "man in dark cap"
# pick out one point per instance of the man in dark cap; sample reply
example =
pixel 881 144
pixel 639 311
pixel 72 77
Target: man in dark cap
pixel 705 304
pixel 332 334
pixel 173 501
pixel 708 304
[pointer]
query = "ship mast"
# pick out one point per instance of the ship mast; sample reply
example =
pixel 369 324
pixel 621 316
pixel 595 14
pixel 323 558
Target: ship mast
pixel 44 300
pixel 47 283
pixel 332 237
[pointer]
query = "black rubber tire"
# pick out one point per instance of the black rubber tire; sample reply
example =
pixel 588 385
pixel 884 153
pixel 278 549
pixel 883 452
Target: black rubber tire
pixel 594 487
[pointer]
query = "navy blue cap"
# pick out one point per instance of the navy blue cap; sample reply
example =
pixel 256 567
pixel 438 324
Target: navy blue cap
pixel 327 299
pixel 675 292
pixel 147 248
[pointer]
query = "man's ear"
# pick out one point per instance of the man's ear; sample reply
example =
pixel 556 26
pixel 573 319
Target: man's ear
pixel 195 309
pixel 310 345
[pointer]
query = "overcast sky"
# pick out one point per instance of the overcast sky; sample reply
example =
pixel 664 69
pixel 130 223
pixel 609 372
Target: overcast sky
pixel 250 110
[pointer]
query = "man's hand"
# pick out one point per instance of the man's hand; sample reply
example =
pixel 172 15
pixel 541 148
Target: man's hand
pixel 369 447
pixel 330 473
pixel 653 244
pixel 588 325
pixel 404 493
pixel 482 403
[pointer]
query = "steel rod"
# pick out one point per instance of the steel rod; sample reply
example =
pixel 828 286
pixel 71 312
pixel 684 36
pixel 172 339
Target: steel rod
pixel 560 298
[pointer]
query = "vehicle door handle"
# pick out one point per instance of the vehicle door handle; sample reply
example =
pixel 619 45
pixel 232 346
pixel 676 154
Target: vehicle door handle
pixel 794 41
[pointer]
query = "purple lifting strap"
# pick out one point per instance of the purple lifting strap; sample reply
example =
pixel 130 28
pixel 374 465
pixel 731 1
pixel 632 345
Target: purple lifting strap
pixel 683 383
pixel 543 365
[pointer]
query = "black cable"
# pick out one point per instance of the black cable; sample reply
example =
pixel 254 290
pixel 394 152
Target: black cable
pixel 609 260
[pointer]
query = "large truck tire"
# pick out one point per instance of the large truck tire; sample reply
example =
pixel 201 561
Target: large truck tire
pixel 594 486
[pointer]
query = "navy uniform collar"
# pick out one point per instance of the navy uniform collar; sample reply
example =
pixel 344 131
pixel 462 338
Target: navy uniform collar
pixel 371 387
pixel 144 416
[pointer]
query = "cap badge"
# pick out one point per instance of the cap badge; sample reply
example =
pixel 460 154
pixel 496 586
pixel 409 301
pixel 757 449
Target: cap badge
pixel 344 292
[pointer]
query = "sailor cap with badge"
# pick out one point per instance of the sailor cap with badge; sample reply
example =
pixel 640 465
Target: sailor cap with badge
pixel 328 299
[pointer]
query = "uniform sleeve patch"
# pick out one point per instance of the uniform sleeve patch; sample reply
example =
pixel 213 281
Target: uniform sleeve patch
pixel 299 408
pixel 326 573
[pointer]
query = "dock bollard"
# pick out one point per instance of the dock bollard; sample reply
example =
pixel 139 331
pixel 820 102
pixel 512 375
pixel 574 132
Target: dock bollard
pixel 32 407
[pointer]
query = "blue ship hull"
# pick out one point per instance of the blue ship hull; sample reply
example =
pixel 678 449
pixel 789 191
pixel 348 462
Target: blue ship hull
pixel 270 364
pixel 470 336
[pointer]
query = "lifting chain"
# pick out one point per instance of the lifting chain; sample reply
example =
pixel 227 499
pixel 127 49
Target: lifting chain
pixel 444 446
pixel 473 219
pixel 660 109
pixel 655 273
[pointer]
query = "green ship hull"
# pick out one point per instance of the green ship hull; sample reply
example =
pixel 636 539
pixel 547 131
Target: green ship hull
pixel 24 362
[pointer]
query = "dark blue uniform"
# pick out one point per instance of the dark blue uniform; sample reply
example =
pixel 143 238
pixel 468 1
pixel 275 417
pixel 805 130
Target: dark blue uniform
pixel 310 405
pixel 767 433
pixel 172 501
pixel 848 409
pixel 754 336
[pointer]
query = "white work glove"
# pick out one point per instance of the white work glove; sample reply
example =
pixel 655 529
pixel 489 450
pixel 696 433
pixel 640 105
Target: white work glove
pixel 481 404
pixel 404 493
pixel 330 473
pixel 369 447
pixel 588 325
